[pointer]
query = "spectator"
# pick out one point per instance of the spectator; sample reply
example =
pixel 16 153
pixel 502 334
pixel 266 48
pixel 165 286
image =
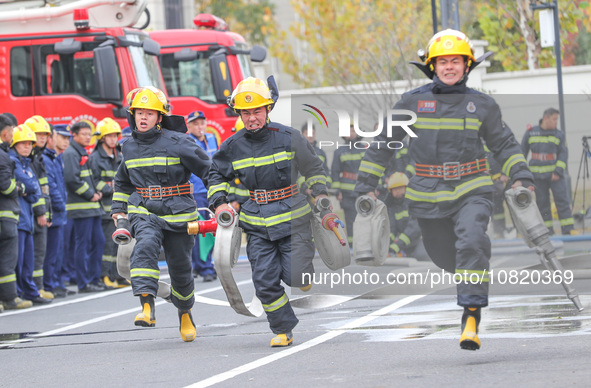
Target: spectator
pixel 104 161
pixel 84 208
pixel 9 216
pixel 202 260
pixel 57 142
pixel 41 209
pixel 548 164
pixel 344 170
pixel 21 148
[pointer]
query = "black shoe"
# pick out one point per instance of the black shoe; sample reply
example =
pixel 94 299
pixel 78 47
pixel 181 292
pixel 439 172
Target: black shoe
pixel 91 288
pixel 102 286
pixel 209 277
pixel 59 292
pixel 195 274
pixel 41 300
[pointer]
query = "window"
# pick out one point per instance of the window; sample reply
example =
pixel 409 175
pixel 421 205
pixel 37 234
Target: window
pixel 68 73
pixel 188 78
pixel 21 83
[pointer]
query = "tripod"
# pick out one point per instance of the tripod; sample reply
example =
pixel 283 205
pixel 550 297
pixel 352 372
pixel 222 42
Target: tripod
pixel 584 165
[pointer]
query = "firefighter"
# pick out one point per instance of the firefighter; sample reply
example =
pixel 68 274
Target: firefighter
pixel 84 208
pixel 266 157
pixel 344 170
pixel 42 208
pixel 9 217
pixel 22 145
pixel 451 193
pixel 104 161
pixel 405 234
pixel 548 160
pixel 152 188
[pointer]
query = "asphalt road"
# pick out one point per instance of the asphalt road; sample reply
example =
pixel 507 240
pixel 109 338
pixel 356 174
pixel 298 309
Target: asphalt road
pixel 359 337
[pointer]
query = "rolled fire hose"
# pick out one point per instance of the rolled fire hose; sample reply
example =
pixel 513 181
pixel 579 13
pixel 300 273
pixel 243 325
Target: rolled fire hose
pixel 371 232
pixel 329 237
pixel 225 253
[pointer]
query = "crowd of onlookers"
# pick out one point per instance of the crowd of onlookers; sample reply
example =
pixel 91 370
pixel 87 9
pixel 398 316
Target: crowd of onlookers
pixel 56 184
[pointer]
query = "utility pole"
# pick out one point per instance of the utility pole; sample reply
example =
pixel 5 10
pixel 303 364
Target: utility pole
pixel 534 5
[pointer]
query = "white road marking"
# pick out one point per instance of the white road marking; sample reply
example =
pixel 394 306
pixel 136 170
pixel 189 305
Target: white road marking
pixel 109 316
pixel 306 345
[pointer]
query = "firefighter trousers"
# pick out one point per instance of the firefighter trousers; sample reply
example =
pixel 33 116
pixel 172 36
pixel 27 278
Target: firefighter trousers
pixel 271 262
pixel 53 258
pixel 8 259
pixel 89 244
pixel 459 244
pixel 561 199
pixel 40 242
pixel 348 205
pixel 26 262
pixel 151 233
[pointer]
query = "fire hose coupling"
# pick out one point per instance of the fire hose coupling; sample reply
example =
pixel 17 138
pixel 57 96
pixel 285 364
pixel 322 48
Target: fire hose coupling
pixel 224 218
pixel 365 205
pixel 122 236
pixel 330 221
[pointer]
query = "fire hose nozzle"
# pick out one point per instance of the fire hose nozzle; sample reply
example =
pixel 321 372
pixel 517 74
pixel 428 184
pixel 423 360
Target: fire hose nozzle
pixel 122 236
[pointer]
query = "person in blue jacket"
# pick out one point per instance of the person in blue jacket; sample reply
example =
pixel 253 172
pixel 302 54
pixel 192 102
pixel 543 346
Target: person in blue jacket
pixel 23 141
pixel 52 264
pixel 202 259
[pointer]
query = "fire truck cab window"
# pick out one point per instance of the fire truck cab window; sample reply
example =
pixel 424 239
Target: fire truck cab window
pixel 188 78
pixel 21 83
pixel 68 73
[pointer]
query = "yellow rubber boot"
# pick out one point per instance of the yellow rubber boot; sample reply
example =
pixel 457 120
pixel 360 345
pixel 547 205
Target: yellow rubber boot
pixel 281 340
pixel 187 327
pixel 470 321
pixel 46 294
pixel 306 288
pixel 147 318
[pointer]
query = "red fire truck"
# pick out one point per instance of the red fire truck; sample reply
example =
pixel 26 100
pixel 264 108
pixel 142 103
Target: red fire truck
pixel 202 66
pixel 74 61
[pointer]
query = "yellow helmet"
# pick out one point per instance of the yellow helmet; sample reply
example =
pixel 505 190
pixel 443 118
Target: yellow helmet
pixel 238 125
pixel 250 93
pixel 148 97
pixel 449 42
pixel 23 133
pixel 106 127
pixel 397 179
pixel 38 124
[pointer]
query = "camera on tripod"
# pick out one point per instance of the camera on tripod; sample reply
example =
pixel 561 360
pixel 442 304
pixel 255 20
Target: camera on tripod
pixel 586 144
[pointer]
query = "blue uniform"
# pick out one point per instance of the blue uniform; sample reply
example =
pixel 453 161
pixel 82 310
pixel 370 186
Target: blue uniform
pixel 277 224
pixel 26 226
pixel 203 263
pixel 52 263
